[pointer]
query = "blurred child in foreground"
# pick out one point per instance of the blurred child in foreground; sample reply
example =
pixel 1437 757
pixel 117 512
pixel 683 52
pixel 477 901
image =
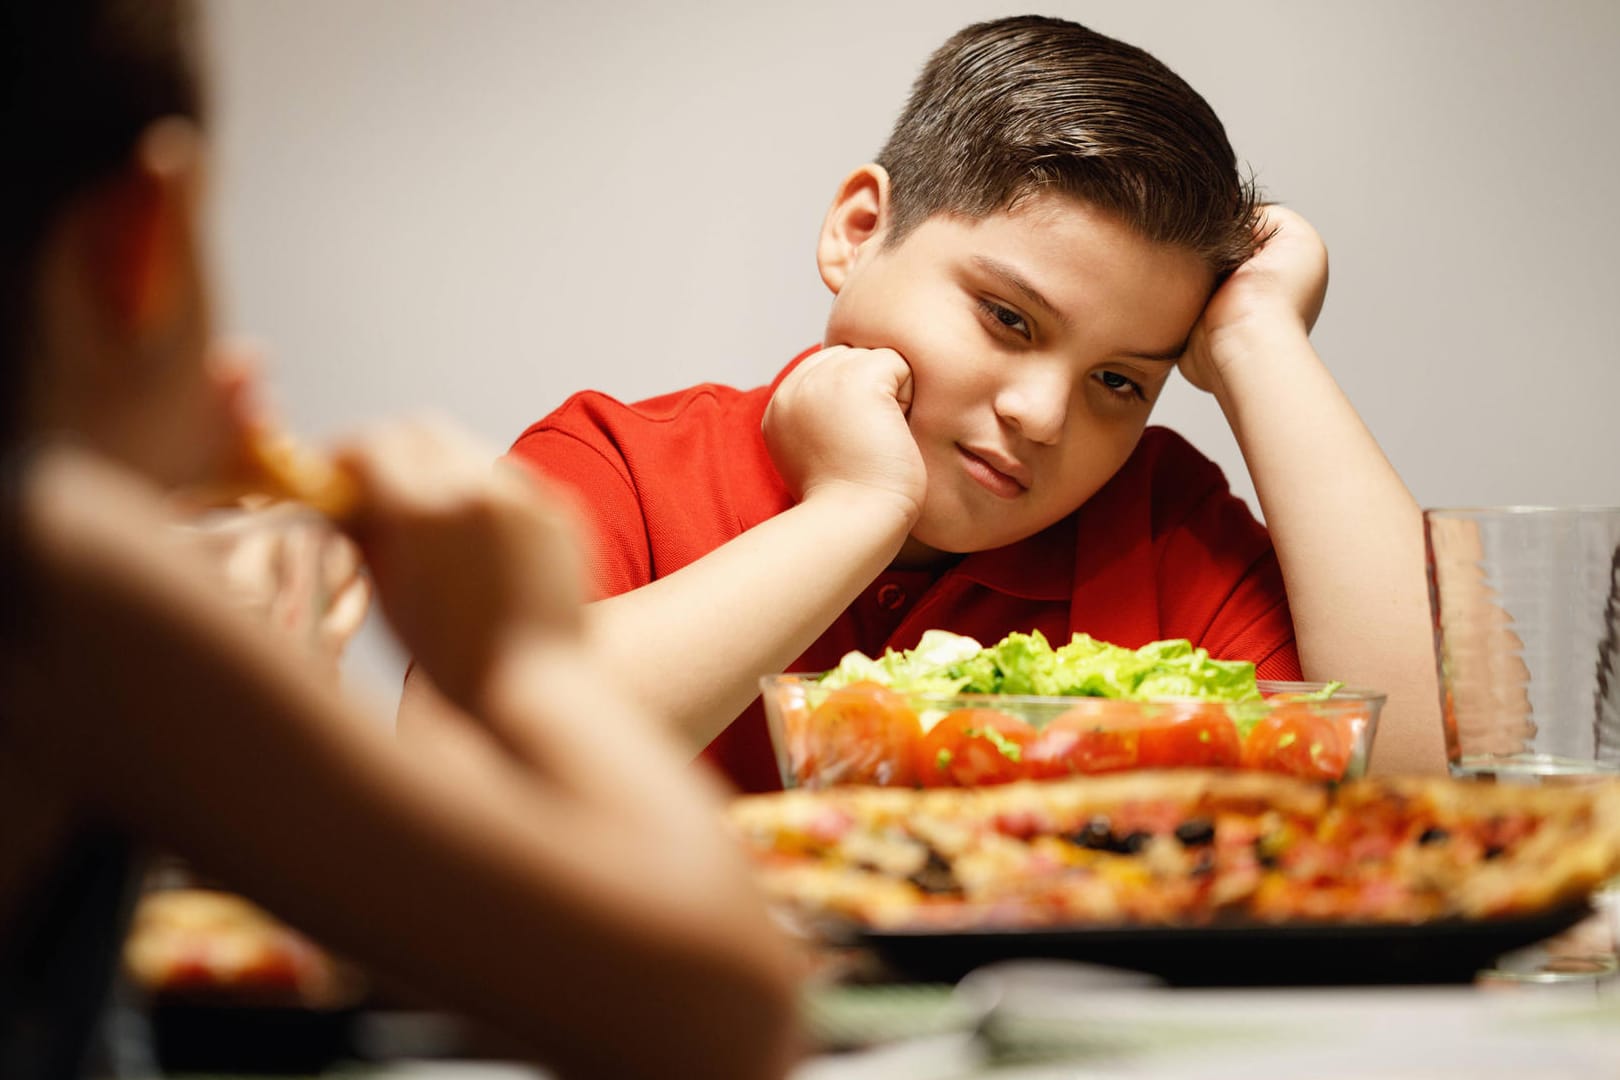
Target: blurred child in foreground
pixel 564 880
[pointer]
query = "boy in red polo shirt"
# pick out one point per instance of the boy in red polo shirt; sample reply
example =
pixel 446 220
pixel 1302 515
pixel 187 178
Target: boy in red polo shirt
pixel 1056 225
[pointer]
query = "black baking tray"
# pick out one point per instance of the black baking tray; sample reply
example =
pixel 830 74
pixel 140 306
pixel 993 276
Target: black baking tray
pixel 203 1037
pixel 198 1035
pixel 1237 954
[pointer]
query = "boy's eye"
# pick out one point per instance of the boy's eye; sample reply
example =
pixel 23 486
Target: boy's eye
pixel 1121 385
pixel 1007 317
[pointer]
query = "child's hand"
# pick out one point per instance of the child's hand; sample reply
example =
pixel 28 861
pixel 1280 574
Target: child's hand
pixel 1282 285
pixel 471 558
pixel 289 568
pixel 840 418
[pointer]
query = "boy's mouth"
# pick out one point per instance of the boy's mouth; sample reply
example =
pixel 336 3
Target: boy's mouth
pixel 1003 479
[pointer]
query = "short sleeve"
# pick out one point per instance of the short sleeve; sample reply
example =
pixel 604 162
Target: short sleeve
pixel 592 468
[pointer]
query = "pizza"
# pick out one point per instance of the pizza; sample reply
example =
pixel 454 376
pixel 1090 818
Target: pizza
pixel 202 944
pixel 271 463
pixel 1183 847
pixel 280 466
pixel 286 468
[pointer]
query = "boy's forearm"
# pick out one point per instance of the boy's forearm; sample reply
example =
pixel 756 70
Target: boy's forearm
pixel 1349 535
pixel 558 708
pixel 693 645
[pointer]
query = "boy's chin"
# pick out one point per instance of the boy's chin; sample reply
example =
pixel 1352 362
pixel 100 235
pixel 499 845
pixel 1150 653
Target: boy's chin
pixel 938 542
pixel 932 547
pixel 916 554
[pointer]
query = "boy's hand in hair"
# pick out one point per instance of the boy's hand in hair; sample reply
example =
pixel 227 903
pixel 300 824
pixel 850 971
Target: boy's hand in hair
pixel 839 418
pixel 472 561
pixel 1281 287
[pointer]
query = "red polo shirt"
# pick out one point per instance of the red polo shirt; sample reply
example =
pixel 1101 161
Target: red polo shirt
pixel 1163 550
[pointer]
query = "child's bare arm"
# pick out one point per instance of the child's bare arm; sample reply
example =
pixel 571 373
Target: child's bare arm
pixel 1348 534
pixel 692 645
pixel 563 877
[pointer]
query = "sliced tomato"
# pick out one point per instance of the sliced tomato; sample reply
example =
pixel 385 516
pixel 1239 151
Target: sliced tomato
pixel 968 747
pixel 1087 739
pixel 1198 734
pixel 1294 739
pixel 799 738
pixel 863 733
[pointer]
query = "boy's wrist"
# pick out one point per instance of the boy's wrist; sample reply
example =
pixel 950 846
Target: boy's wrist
pixel 1253 345
pixel 1256 330
pixel 890 511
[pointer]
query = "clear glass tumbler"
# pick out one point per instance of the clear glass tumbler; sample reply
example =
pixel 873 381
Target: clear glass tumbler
pixel 1526 604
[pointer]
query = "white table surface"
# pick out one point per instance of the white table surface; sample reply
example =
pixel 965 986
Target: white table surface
pixel 1065 1022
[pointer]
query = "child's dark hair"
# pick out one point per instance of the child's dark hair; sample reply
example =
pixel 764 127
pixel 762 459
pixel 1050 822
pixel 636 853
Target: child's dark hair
pixel 81 80
pixel 1009 108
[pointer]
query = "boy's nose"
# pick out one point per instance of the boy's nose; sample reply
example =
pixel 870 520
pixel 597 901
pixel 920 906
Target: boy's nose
pixel 1035 408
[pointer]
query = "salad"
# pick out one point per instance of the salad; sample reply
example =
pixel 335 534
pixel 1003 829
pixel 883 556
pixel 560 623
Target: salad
pixel 953 712
pixel 947 663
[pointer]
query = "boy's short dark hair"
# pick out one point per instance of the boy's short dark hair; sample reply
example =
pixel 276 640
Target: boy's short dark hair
pixel 1008 108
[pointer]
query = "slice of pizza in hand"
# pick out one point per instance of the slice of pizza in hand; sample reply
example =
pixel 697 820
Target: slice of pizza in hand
pixel 274 464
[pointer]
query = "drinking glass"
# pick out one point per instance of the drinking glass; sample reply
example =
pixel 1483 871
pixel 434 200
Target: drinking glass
pixel 1526 604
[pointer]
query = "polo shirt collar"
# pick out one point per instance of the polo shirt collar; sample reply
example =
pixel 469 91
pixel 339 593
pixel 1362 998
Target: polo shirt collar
pixel 1039 567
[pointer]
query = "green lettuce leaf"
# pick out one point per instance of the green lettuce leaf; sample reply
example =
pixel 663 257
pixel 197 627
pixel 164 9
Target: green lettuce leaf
pixel 945 663
pixel 926 669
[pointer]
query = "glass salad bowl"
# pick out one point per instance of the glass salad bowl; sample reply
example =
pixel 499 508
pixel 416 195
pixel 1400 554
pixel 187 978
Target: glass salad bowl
pixel 899 720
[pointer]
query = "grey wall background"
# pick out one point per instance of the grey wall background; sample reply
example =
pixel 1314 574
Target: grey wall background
pixel 478 207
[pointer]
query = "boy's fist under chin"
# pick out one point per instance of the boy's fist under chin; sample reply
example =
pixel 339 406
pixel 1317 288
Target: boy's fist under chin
pixel 1282 285
pixel 839 418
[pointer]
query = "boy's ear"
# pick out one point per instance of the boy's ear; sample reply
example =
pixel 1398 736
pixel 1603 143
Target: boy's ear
pixel 854 223
pixel 142 233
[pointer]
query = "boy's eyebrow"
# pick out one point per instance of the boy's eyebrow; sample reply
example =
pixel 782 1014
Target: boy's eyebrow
pixel 1168 356
pixel 1010 276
